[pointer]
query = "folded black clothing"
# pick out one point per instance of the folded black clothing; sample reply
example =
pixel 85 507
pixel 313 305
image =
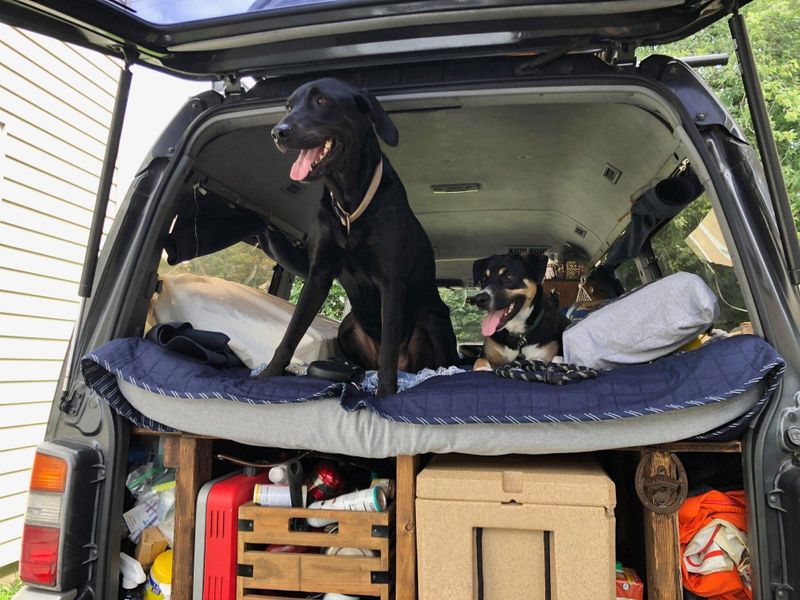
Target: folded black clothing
pixel 210 347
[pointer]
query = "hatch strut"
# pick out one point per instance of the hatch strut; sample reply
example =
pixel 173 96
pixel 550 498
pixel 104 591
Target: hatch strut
pixel 106 177
pixel 766 146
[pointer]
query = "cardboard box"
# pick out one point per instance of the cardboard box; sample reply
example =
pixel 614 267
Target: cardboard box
pixel 151 544
pixel 500 528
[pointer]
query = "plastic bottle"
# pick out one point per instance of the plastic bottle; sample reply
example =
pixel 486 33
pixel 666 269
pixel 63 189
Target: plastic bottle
pixel 159 583
pixel 133 577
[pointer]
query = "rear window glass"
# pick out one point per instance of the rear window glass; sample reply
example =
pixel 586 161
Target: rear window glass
pixel 692 242
pixel 168 12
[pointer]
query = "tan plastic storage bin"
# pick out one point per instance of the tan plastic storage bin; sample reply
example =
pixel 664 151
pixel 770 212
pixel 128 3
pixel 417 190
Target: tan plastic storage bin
pixel 503 528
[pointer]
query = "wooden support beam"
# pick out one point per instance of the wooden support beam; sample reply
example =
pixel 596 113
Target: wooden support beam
pixel 406 525
pixel 662 545
pixel 194 469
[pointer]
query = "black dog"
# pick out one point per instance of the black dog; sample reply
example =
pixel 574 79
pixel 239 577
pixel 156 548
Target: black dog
pixel 364 234
pixel 521 321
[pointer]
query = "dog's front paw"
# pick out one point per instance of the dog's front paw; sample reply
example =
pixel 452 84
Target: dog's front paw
pixel 273 369
pixel 482 365
pixel 386 388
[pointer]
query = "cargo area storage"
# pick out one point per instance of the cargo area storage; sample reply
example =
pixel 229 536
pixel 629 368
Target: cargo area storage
pixel 544 525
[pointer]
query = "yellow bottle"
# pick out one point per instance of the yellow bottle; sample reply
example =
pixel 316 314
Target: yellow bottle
pixel 159 582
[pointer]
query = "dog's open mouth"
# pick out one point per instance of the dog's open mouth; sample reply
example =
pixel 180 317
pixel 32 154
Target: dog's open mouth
pixel 497 319
pixel 310 159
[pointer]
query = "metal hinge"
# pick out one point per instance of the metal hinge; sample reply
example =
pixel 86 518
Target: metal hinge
pixel 230 85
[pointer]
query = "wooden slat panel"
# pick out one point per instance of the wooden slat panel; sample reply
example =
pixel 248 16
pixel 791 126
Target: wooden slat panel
pixel 16 482
pixel 109 66
pixel 9 552
pixel 29 370
pixel 36 306
pixel 12 415
pixel 50 178
pixel 20 215
pixel 58 87
pixel 49 54
pixel 34 327
pixel 22 111
pixel 17 237
pixel 23 348
pixel 13 506
pixel 312 573
pixel 271 526
pixel 23 151
pixel 18 458
pixel 25 283
pixel 11 529
pixel 64 150
pixel 13 438
pixel 48 99
pixel 33 198
pixel 38 264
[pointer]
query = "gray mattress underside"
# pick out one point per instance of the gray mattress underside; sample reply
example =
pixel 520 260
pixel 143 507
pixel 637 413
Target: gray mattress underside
pixel 323 426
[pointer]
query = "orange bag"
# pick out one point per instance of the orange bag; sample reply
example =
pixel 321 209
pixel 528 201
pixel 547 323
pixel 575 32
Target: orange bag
pixel 696 514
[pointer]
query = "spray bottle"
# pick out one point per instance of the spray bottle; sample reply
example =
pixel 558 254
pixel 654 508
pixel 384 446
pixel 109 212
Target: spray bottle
pixel 133 577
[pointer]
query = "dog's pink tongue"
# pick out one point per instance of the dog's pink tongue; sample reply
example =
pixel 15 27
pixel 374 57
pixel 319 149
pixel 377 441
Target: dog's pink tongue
pixel 490 322
pixel 302 166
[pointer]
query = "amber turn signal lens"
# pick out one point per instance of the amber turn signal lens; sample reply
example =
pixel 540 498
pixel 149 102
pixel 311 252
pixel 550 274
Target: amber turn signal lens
pixel 49 473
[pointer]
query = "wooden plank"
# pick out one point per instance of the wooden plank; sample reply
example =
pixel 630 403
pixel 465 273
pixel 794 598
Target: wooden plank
pixel 406 528
pixel 312 573
pixel 271 526
pixel 733 446
pixel 194 469
pixel 662 545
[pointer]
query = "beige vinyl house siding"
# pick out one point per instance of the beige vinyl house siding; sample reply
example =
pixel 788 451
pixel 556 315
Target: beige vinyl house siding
pixel 55 109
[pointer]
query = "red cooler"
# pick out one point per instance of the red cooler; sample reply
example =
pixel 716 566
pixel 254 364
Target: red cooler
pixel 218 505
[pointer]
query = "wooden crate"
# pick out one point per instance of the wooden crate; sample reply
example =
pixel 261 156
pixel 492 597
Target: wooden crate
pixel 261 571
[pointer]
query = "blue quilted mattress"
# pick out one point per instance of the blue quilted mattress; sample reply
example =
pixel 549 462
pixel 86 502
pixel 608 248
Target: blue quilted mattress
pixel 711 374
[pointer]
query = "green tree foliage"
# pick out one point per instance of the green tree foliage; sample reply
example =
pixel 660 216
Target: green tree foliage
pixel 774 28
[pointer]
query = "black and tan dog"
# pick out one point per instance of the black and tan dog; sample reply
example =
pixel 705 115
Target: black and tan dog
pixel 364 234
pixel 521 321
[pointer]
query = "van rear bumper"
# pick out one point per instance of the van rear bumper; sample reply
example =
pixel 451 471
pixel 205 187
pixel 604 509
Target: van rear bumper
pixel 27 593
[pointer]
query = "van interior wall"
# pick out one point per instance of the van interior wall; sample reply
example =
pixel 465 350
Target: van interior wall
pixel 549 175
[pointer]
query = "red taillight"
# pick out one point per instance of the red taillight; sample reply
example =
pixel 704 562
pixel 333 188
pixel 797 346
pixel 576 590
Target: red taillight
pixel 39 560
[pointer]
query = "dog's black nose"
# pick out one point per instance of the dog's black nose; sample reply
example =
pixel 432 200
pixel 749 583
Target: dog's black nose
pixel 482 300
pixel 280 132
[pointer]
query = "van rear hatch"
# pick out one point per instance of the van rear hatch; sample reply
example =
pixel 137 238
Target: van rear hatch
pixel 214 39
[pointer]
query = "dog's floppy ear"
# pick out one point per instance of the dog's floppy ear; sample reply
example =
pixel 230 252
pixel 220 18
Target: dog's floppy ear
pixel 537 265
pixel 384 126
pixel 478 269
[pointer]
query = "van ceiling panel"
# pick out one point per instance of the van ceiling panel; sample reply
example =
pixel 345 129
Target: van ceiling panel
pixel 543 172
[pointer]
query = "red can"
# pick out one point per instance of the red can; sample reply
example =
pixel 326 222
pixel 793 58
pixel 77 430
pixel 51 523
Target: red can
pixel 325 481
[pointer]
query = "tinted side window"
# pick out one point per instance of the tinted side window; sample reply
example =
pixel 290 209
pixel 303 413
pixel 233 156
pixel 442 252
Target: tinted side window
pixel 692 242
